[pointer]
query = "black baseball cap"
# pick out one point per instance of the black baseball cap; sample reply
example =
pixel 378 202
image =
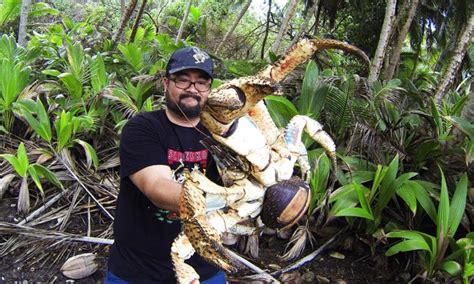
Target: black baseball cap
pixel 190 58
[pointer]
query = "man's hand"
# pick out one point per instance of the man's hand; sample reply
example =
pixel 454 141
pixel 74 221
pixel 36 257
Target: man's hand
pixel 157 185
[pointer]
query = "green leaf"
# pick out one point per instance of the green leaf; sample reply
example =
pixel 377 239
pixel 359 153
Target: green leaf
pixel 13 78
pixel 443 211
pixel 319 178
pixel 22 157
pixel 423 198
pixel 392 172
pixel 462 124
pixel 409 235
pixel 72 84
pixel 51 72
pixel 408 195
pixel 42 9
pixel 44 121
pixel 313 94
pixel 342 193
pixel 99 77
pixel 378 177
pixel 355 212
pixel 75 56
pixel 361 190
pixel 281 110
pixel 133 55
pixel 387 192
pixel 407 245
pixel 452 267
pixel 14 162
pixel 361 176
pixel 34 175
pixel 49 175
pixel 439 127
pixel 34 123
pixel 67 22
pixel 63 130
pixel 457 206
pixel 342 198
pixel 42 125
pixel 9 10
pixel 241 68
pixel 91 155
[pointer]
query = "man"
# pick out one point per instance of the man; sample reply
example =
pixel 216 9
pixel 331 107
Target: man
pixel 154 148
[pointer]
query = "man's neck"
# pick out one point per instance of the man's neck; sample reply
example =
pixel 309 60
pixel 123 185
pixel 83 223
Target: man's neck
pixel 181 121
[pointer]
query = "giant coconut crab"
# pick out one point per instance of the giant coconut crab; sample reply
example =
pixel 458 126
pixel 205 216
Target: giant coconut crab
pixel 236 116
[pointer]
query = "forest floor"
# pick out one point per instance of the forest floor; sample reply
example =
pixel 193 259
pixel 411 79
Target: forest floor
pixel 335 264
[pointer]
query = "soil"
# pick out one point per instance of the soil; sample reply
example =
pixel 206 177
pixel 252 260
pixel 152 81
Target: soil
pixel 334 265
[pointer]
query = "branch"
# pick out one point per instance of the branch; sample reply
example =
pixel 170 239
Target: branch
pixel 74 176
pixel 252 266
pixel 9 228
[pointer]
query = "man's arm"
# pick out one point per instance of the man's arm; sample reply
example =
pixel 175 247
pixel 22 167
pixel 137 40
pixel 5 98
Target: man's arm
pixel 156 184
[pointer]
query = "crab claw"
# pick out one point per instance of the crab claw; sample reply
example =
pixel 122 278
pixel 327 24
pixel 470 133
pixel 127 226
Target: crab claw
pixel 205 240
pixel 234 99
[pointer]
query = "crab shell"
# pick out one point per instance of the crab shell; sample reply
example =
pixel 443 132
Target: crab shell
pixel 285 203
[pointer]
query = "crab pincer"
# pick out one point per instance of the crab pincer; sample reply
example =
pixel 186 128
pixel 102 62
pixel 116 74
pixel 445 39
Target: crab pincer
pixel 198 236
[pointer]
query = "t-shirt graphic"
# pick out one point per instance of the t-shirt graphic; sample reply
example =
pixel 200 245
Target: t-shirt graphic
pixel 198 160
pixel 195 157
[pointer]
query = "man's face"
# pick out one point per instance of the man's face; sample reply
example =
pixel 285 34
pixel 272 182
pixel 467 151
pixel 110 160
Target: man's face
pixel 186 92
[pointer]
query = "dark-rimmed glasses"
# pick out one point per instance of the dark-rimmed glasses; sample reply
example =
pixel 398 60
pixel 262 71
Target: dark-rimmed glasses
pixel 183 83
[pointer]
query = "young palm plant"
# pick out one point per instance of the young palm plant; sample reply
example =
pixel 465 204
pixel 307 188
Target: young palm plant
pixel 14 77
pixel 25 170
pixel 373 188
pixel 67 125
pixel 432 249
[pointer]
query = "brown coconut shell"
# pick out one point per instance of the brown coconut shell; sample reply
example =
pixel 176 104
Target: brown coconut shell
pixel 285 203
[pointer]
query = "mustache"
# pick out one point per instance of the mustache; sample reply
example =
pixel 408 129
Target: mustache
pixel 188 95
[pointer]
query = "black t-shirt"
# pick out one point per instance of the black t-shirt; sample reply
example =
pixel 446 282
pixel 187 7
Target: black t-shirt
pixel 144 233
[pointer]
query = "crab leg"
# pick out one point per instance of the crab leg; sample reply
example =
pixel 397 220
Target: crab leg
pixel 302 51
pixel 218 197
pixel 261 117
pixel 181 249
pixel 314 129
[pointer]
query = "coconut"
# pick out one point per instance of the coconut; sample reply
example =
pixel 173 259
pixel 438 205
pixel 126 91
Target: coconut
pixel 285 203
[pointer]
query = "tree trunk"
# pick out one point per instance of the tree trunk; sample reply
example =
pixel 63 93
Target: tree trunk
pixel 284 25
pixel 137 21
pixel 122 7
pixel 456 60
pixel 267 27
pixel 236 22
pixel 161 7
pixel 317 15
pixel 124 22
pixel 183 22
pixel 25 8
pixel 387 27
pixel 309 14
pixel 393 63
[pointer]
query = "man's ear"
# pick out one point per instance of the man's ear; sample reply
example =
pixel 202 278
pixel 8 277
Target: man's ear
pixel 165 81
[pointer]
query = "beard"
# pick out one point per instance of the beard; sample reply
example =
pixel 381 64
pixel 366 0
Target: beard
pixel 182 110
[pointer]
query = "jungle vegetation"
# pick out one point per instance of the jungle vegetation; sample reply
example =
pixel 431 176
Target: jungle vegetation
pixel 73 72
